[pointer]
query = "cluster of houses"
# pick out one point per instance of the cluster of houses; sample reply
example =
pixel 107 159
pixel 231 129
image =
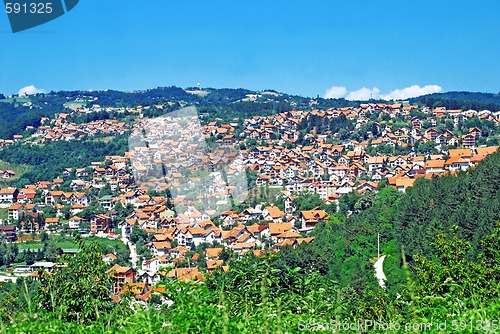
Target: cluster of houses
pixel 60 129
pixel 319 167
pixel 271 230
pixel 329 171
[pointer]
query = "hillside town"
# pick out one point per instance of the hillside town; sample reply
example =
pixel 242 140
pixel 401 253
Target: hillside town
pixel 241 168
pixel 129 195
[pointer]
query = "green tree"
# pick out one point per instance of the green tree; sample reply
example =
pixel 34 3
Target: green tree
pixel 66 211
pixel 78 291
pixel 307 201
pixel 8 253
pixel 138 234
pixel 450 274
pixel 44 236
pixel 29 257
pixel 50 251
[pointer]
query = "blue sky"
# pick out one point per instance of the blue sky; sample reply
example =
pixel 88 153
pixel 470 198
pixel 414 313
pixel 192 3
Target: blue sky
pixel 297 47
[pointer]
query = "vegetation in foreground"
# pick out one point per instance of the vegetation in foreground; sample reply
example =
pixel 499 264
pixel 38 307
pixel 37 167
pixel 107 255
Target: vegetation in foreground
pixel 285 292
pixel 450 279
pixel 449 275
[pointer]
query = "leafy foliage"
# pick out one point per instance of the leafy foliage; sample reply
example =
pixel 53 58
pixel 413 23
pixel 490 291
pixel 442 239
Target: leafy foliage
pixel 450 272
pixel 461 100
pixel 320 125
pixel 79 291
pixel 470 201
pixel 47 158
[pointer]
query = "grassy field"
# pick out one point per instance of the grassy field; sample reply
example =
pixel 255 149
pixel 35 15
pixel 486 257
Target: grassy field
pixel 18 99
pixel 4 213
pixel 105 139
pixel 29 245
pixel 67 243
pixel 201 93
pixel 18 169
pixel 75 105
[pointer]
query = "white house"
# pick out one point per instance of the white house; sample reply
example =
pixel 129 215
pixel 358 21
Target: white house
pixel 74 222
pixel 8 195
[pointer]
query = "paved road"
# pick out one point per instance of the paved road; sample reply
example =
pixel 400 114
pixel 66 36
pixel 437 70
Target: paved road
pixel 133 253
pixel 379 271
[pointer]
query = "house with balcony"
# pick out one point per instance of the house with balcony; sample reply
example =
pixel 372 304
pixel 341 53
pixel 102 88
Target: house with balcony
pixel 310 218
pixel 434 166
pixel 99 223
pixel 121 276
pixel 9 231
pixel 74 222
pixel 15 211
pixel 469 140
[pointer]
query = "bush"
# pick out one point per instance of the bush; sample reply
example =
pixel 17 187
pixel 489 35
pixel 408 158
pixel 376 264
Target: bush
pixel 78 291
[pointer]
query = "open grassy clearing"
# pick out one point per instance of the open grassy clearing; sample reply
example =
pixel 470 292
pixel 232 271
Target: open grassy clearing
pixel 67 243
pixel 73 105
pixel 201 93
pixel 18 169
pixel 18 99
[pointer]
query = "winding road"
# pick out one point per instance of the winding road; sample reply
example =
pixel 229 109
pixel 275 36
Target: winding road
pixel 133 254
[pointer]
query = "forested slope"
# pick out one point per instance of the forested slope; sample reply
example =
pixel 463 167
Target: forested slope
pixel 470 201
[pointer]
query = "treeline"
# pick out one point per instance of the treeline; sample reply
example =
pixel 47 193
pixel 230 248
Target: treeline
pixel 14 119
pixel 49 160
pixel 247 109
pixel 113 98
pixel 461 100
pixel 98 116
pixel 341 125
pixel 470 201
pixel 225 95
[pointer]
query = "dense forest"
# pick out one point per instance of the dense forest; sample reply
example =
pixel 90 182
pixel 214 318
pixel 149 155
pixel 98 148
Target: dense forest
pixel 469 201
pixel 49 160
pixel 14 119
pixel 318 125
pixel 460 100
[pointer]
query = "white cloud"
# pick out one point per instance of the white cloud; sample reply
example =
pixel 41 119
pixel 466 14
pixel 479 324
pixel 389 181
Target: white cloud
pixel 335 92
pixel 364 94
pixel 29 90
pixel 412 91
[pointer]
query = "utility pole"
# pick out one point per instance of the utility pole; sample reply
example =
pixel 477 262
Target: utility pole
pixel 348 247
pixel 378 245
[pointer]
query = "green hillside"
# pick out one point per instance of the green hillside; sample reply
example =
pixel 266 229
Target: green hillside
pixel 452 282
